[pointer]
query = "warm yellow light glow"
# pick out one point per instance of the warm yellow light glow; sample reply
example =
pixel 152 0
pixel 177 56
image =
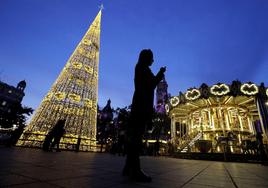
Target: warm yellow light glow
pixel 89 69
pixel 192 94
pixel 48 97
pixel 213 123
pixel 79 82
pixel 77 65
pixel 194 105
pixel 227 122
pixel 240 122
pixel 167 108
pixel 81 50
pixel 246 101
pixel 250 125
pixel 90 56
pixel 249 89
pixel 209 102
pixel 174 101
pixel 59 95
pixel 87 42
pixel 239 138
pixel 228 100
pixel 219 90
pixel 88 103
pixel 218 115
pixel 72 97
pixel 154 141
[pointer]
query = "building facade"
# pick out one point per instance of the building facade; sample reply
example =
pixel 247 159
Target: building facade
pixel 10 98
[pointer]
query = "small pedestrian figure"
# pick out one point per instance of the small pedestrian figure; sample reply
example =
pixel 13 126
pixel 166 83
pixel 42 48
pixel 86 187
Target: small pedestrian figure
pixel 58 133
pixel 55 134
pixel 47 141
pixel 77 146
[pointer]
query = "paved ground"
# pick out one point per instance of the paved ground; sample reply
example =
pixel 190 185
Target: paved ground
pixel 21 167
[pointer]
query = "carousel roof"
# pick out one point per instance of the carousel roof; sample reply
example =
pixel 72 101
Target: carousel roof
pixel 237 94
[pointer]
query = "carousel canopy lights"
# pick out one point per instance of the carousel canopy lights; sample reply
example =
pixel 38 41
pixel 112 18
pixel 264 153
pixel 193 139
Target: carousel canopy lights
pixel 249 89
pixel 174 101
pixel 167 108
pixel 192 94
pixel 219 89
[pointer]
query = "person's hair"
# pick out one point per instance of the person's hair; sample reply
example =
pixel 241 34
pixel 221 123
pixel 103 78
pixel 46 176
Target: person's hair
pixel 145 56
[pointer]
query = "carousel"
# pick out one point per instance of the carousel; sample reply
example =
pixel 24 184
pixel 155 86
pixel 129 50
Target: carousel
pixel 219 118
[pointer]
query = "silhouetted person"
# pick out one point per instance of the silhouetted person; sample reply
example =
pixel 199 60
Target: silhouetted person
pixel 141 113
pixel 47 141
pixel 77 146
pixel 57 134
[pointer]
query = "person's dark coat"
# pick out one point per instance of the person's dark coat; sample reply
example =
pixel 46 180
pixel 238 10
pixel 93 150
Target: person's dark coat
pixel 143 98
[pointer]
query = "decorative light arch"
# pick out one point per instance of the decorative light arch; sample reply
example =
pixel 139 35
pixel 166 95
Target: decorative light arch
pixel 249 89
pixel 167 108
pixel 174 101
pixel 219 89
pixel 192 94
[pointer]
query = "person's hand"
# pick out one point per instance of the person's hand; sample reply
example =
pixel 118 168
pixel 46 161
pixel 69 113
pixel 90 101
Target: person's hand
pixel 163 69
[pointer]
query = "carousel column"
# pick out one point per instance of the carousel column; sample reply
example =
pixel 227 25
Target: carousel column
pixel 192 125
pixel 240 123
pixel 222 121
pixel 227 120
pixel 187 127
pixel 173 130
pixel 180 129
pixel 200 129
pixel 241 129
pixel 250 125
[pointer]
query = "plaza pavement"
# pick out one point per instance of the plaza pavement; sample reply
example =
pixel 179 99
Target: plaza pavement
pixel 22 167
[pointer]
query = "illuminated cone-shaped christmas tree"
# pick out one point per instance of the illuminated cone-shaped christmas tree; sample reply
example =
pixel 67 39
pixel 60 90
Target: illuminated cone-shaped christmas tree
pixel 73 97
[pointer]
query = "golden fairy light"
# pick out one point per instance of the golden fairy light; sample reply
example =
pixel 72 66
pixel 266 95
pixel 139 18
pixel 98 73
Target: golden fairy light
pixel 72 97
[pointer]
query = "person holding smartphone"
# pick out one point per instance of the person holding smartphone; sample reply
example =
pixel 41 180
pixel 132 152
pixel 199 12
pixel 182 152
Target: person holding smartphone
pixel 141 113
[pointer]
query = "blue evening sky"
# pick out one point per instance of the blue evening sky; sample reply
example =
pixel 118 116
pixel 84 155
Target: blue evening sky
pixel 199 41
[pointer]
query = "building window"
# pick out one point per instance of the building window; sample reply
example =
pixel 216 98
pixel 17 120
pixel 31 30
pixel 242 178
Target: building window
pixel 4 103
